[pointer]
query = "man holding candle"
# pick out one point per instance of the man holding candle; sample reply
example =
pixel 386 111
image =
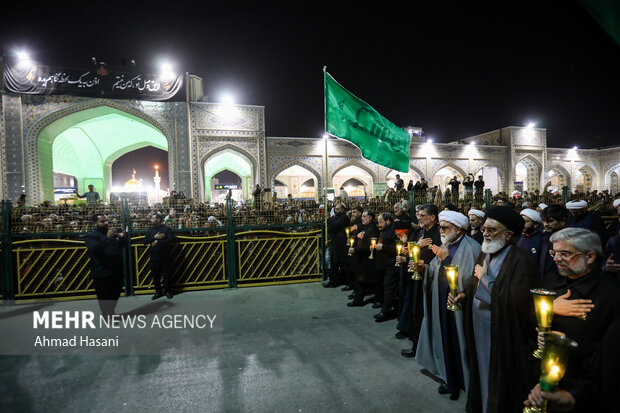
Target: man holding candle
pixel 366 273
pixel 354 229
pixel 578 255
pixel 442 343
pixel 384 263
pixel 412 310
pixel 500 319
pixel 338 246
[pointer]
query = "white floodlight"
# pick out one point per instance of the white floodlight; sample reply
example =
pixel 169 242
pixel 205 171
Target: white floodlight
pixel 166 72
pixel 531 125
pixel 23 59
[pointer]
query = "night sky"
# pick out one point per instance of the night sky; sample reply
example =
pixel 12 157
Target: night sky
pixel 456 69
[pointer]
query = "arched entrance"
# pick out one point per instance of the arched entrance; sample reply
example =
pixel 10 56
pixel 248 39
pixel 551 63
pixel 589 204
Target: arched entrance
pixel 558 178
pixel 297 181
pixel 528 172
pixel 362 185
pixel 444 175
pixel 584 179
pixel 614 183
pixel 412 175
pixel 232 161
pixel 84 145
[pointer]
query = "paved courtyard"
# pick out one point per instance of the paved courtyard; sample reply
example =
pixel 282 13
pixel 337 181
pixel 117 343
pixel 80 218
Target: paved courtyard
pixel 288 348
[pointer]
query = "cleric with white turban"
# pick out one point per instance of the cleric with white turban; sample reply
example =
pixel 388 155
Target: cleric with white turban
pixel 476 212
pixel 531 214
pixel 455 218
pixel 572 205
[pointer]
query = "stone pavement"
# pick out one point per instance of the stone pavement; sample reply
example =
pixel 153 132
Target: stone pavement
pixel 288 348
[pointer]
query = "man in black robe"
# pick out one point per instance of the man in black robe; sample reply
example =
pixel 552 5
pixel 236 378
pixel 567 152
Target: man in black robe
pixel 159 237
pixel 500 319
pixel 365 274
pixel 337 246
pixel 105 250
pixel 580 217
pixel 555 218
pixel 411 311
pixel 578 256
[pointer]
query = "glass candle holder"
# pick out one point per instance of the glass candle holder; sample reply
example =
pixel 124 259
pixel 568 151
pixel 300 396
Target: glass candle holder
pixel 350 242
pixel 452 273
pixel 543 304
pixel 414 255
pixel 553 365
pixel 399 248
pixel 373 244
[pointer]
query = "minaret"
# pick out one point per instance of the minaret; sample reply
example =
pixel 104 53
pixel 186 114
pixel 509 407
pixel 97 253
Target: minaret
pixel 157 178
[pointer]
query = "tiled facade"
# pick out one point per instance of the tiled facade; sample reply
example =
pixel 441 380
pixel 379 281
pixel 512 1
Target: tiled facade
pixel 197 131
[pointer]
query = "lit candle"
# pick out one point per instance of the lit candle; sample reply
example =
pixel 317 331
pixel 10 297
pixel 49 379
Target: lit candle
pixel 347 231
pixel 416 253
pixel 373 242
pixel 399 248
pixel 544 309
pixel 351 241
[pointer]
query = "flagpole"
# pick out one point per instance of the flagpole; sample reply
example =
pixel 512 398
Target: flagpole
pixel 325 137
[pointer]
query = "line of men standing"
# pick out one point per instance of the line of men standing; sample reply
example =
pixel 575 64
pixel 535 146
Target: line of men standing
pixel 486 348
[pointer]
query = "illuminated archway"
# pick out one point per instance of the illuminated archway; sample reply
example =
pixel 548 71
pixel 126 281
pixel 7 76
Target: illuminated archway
pixel 233 161
pixel 558 177
pixel 584 179
pixel 614 183
pixel 84 144
pixel 298 181
pixel 413 175
pixel 349 172
pixel 444 175
pixel 527 171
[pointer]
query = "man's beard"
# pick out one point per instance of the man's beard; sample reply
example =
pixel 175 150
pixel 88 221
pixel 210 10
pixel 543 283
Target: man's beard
pixel 580 268
pixel 491 247
pixel 448 239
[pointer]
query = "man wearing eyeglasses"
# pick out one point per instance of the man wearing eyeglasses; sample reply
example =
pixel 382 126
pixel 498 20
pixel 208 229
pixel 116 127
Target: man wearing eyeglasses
pixel 412 312
pixel 500 319
pixel 578 255
pixel 442 344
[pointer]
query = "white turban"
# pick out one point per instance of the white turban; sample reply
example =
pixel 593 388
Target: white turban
pixel 531 214
pixel 616 203
pixel 576 204
pixel 542 206
pixel 455 218
pixel 476 212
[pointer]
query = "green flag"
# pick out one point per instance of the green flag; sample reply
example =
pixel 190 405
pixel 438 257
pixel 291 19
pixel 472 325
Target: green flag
pixel 352 119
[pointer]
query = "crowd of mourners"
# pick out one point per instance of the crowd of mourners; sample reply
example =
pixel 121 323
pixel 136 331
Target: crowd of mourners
pixel 485 348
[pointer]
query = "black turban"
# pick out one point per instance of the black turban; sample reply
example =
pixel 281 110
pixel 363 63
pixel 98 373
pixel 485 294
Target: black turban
pixel 508 217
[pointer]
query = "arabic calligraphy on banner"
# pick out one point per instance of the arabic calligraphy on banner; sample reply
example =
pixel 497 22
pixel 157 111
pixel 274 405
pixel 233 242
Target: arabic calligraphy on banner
pixel 46 80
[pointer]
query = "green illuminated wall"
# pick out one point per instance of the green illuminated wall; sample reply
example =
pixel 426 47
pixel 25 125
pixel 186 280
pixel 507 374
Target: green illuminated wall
pixel 86 143
pixel 231 161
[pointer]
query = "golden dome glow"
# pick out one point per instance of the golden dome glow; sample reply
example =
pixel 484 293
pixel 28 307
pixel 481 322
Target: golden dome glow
pixel 133 182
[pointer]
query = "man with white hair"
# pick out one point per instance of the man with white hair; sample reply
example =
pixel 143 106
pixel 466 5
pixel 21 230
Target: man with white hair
pixel 578 256
pixel 582 218
pixel 500 319
pixel 442 342
pixel 531 237
pixel 476 219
